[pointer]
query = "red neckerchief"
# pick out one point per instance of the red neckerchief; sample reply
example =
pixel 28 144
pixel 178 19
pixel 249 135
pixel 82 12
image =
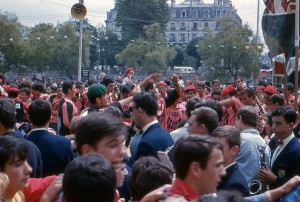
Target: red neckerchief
pixel 181 188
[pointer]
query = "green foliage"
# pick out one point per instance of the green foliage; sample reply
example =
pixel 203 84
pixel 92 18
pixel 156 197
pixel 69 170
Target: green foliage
pixel 133 15
pixel 230 52
pixel 147 52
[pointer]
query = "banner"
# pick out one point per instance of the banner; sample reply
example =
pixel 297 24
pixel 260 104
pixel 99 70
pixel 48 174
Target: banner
pixel 278 25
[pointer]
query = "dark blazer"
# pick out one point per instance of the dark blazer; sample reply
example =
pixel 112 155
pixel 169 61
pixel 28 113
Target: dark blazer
pixel 154 139
pixel 234 180
pixel 287 163
pixel 55 149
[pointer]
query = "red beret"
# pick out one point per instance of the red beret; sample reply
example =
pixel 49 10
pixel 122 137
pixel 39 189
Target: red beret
pixel 162 83
pixel 16 90
pixel 226 91
pixel 128 69
pixel 189 88
pixel 270 90
pixel 261 87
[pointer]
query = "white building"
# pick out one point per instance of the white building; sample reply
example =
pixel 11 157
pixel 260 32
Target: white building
pixel 189 19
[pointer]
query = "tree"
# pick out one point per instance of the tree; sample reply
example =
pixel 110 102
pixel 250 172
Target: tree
pixel 133 15
pixel 147 52
pixel 10 42
pixel 230 53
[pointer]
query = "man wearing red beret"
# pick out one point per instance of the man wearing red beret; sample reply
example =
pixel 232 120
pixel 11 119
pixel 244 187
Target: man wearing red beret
pixel 231 104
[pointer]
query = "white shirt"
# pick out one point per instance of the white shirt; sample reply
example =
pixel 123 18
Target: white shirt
pixel 279 148
pixel 149 124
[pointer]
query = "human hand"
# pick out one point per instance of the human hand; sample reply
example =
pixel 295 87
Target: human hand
pixel 266 175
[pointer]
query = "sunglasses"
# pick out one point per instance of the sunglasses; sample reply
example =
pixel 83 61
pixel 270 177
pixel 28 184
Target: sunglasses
pixel 132 107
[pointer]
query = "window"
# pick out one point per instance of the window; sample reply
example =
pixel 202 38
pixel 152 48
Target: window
pixel 182 26
pixel 218 26
pixel 218 13
pixel 206 25
pixel 206 14
pixel 172 37
pixel 183 14
pixel 195 26
pixel 195 13
pixel 173 14
pixel 182 37
pixel 173 26
pixel 194 35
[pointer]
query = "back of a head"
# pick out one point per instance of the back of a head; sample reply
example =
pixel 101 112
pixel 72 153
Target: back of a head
pixel 190 105
pixel 66 86
pixel 213 105
pixel 7 113
pixel 12 149
pixel 95 126
pixel 208 117
pixel 147 175
pixel 147 102
pixel 277 98
pixel 39 112
pixel 38 87
pixel 193 148
pixel 249 116
pixel 230 133
pixel 89 178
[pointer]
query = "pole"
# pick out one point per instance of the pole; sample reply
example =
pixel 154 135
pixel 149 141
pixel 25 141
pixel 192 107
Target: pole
pixel 296 53
pixel 80 47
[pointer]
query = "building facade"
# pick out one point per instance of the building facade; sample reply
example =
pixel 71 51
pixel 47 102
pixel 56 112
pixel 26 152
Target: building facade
pixel 189 19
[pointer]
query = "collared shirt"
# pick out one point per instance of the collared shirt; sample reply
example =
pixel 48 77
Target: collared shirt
pixel 149 124
pixel 279 148
pixel 230 165
pixel 37 129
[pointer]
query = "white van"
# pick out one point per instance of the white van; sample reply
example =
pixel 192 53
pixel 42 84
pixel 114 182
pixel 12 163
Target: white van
pixel 183 70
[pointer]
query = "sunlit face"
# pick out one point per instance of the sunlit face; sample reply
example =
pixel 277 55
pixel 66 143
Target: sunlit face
pixel 18 173
pixel 162 90
pixel 194 127
pixel 216 97
pixel 227 151
pixel 190 94
pixel 112 148
pixel 121 172
pixel 211 175
pixel 130 73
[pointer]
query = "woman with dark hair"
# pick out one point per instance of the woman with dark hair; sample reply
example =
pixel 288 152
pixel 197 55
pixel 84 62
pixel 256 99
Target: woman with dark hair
pixel 13 163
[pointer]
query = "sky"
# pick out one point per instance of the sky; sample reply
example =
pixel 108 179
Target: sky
pixel 32 12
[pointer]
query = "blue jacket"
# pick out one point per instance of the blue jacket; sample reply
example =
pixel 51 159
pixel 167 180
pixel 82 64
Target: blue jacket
pixel 55 149
pixel 287 163
pixel 154 139
pixel 234 180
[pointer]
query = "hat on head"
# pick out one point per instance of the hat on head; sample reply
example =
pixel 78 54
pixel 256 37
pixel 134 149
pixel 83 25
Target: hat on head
pixel 128 69
pixel 189 88
pixel 261 87
pixel 162 83
pixel 16 90
pixel 227 90
pixel 96 90
pixel 270 90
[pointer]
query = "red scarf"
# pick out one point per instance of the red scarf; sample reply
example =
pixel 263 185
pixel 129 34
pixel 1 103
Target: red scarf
pixel 181 188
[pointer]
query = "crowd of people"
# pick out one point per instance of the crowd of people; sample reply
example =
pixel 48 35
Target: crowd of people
pixel 151 140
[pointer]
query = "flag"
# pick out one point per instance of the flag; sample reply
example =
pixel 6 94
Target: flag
pixel 278 25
